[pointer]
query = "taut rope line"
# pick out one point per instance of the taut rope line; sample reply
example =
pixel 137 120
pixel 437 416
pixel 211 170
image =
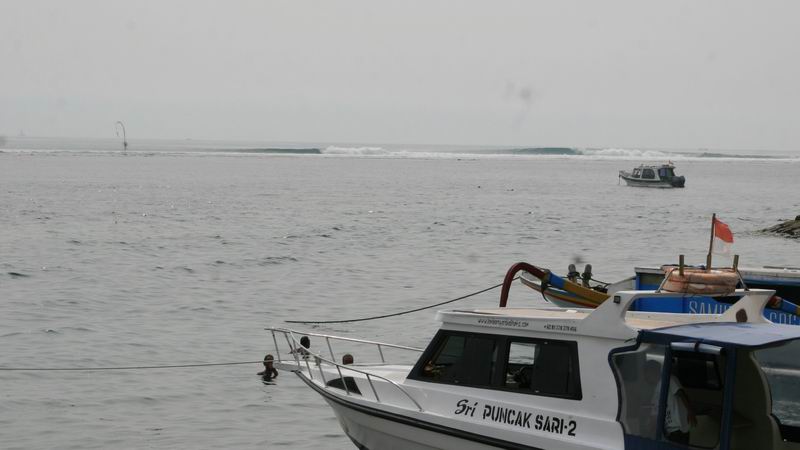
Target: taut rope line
pixel 171 366
pixel 397 313
pixel 236 363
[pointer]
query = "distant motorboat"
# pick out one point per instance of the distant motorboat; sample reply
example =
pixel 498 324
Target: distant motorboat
pixel 658 176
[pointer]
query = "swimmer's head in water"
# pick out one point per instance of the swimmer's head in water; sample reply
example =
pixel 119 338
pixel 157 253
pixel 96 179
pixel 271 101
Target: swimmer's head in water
pixel 305 341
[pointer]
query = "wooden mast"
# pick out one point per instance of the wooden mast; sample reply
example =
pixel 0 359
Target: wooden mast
pixel 711 242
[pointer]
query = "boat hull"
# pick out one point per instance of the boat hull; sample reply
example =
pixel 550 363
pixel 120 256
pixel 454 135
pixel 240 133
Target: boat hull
pixel 785 284
pixel 368 431
pixel 663 184
pixel 560 297
pixel 372 428
pixel 573 295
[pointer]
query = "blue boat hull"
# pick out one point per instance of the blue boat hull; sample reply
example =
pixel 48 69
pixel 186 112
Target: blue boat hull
pixel 706 305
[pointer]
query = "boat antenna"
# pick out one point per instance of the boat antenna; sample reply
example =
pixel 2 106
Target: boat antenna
pixel 124 136
pixel 711 242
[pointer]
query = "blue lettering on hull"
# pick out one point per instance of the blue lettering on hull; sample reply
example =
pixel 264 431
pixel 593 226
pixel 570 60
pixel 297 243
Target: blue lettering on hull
pixel 704 305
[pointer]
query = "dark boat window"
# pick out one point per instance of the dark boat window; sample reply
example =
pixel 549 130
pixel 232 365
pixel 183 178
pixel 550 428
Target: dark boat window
pixel 530 366
pixel 698 371
pixel 519 369
pixel 693 411
pixel 462 359
pixel 648 173
pixel 543 367
pixel 339 383
pixel 666 173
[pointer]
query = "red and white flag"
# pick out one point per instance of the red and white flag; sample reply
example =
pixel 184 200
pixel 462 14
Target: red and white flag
pixel 723 238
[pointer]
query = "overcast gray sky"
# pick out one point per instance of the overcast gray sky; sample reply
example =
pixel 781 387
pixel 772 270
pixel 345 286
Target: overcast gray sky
pixel 676 74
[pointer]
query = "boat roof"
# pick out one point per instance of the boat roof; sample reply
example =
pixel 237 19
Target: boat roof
pixel 669 165
pixel 725 334
pixel 613 320
pixel 640 320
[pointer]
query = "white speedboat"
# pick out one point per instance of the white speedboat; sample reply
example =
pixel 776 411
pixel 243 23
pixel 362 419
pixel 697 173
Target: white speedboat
pixel 558 378
pixel 658 176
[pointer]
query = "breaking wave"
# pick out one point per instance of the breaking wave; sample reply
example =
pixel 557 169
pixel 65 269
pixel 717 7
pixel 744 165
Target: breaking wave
pixel 288 151
pixel 356 151
pixel 529 152
pixel 631 154
pixel 157 148
pixel 563 151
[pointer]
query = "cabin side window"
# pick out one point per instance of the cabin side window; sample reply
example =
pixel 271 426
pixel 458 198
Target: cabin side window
pixel 648 173
pixel 782 373
pixel 543 367
pixel 698 371
pixel 530 366
pixel 694 399
pixel 637 173
pixel 691 405
pixel 638 375
pixel 462 358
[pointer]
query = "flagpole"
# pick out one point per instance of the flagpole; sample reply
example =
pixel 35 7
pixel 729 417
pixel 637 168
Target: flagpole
pixel 711 242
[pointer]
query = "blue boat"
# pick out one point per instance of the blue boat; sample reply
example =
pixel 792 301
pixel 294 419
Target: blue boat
pixel 581 291
pixel 785 281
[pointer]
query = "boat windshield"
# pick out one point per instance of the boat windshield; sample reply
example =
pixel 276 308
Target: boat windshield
pixel 781 367
pixel 638 373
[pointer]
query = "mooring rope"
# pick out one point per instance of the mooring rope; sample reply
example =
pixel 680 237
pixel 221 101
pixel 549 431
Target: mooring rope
pixel 363 319
pixel 236 363
pixel 171 366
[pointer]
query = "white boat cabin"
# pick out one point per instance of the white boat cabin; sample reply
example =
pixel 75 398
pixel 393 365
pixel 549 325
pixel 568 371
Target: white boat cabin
pixel 558 378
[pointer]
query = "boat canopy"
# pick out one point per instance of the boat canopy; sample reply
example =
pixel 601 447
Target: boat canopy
pixel 724 334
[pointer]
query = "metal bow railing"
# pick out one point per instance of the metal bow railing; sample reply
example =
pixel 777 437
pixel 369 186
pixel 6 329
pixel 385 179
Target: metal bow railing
pixel 296 350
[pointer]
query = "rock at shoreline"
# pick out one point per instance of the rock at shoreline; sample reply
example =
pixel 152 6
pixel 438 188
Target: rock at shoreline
pixel 790 228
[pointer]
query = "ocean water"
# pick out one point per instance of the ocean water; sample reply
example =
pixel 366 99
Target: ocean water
pixel 179 252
